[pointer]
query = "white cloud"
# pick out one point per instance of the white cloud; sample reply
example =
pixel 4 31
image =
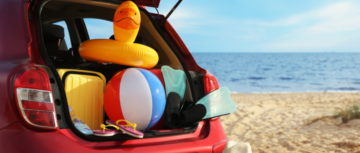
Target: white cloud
pixel 322 29
pixel 183 19
pixel 341 14
pixel 335 26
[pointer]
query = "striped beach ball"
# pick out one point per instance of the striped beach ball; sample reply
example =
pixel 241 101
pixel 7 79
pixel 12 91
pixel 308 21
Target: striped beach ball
pixel 135 95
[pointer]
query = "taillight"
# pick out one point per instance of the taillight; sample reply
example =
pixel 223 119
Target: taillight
pixel 210 83
pixel 34 98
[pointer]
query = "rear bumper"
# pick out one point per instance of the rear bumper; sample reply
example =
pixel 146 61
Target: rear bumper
pixel 16 138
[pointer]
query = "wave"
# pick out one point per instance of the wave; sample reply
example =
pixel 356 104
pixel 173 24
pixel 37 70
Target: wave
pixel 286 78
pixel 273 72
pixel 256 78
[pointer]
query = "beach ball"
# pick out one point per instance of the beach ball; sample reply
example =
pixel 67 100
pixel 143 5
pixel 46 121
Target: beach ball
pixel 135 95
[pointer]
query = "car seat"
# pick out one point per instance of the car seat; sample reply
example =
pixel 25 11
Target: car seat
pixel 56 48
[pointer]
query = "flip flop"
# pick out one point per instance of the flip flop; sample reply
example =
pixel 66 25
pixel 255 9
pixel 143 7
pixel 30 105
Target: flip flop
pixel 129 128
pixel 105 132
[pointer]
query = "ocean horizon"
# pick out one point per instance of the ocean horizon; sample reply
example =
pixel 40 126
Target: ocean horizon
pixel 284 72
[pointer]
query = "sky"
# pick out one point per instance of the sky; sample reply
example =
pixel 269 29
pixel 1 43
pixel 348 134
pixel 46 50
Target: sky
pixel 259 25
pixel 267 26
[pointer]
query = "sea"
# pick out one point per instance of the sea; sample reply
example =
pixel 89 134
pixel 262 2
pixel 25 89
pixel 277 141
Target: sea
pixel 284 72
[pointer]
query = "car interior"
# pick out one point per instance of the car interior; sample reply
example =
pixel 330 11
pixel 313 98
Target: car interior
pixel 71 67
pixel 73 13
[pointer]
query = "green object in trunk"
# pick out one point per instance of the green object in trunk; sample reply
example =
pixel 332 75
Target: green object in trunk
pixel 175 81
pixel 218 103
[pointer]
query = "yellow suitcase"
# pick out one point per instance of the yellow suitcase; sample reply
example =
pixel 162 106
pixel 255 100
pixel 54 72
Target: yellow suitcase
pixel 85 92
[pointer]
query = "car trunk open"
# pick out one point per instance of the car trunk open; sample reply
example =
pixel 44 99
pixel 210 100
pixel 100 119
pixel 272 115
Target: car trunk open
pixel 150 3
pixel 63 62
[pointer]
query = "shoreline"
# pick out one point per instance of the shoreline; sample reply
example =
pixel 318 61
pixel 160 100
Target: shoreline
pixel 277 122
pixel 310 91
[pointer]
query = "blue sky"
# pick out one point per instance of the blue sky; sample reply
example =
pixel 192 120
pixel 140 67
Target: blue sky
pixel 260 25
pixel 267 26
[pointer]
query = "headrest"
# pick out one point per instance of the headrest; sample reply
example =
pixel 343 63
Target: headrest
pixel 53 31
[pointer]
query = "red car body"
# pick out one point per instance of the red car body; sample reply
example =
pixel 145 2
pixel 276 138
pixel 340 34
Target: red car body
pixel 19 47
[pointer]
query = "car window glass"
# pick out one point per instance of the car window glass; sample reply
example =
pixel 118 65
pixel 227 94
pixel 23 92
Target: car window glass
pixel 98 28
pixel 66 32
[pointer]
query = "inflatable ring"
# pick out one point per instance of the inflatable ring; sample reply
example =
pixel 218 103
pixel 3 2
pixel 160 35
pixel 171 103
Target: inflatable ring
pixel 112 51
pixel 122 50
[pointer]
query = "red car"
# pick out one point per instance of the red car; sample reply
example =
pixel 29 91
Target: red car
pixel 32 49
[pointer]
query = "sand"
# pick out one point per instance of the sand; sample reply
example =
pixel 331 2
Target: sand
pixel 279 122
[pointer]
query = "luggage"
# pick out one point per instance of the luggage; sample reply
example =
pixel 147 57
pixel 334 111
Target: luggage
pixel 85 92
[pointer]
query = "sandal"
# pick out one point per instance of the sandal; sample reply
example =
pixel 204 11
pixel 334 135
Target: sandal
pixel 105 132
pixel 129 128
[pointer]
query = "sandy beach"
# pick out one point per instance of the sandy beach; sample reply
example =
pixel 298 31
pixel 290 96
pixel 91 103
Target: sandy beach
pixel 284 122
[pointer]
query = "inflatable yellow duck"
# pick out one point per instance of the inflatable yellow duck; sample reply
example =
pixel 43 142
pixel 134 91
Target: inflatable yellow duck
pixel 122 50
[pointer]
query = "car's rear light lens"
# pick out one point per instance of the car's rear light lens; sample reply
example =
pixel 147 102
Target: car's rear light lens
pixel 37 105
pixel 210 83
pixel 40 118
pixel 34 78
pixel 34 98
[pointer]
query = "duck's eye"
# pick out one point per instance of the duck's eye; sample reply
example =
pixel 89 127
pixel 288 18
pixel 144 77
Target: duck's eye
pixel 135 13
pixel 120 11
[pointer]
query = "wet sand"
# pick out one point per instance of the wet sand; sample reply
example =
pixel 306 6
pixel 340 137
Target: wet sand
pixel 285 122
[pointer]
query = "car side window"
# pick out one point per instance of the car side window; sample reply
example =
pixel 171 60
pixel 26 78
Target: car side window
pixel 66 32
pixel 98 28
